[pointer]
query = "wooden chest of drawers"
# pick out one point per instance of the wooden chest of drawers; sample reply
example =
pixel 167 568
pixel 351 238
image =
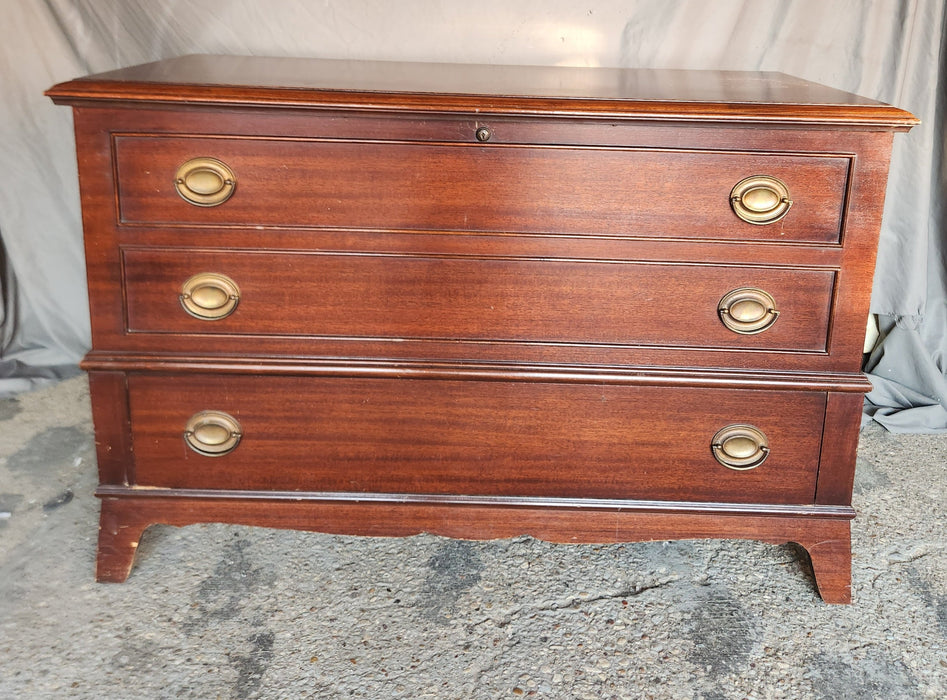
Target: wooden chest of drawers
pixel 377 298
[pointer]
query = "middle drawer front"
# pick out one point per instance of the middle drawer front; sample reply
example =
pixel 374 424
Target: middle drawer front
pixel 427 297
pixel 468 437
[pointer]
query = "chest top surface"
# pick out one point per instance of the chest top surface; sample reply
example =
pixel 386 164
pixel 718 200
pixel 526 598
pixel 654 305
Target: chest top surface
pixel 729 96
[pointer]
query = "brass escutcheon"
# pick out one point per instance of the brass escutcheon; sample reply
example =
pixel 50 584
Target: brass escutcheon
pixel 740 447
pixel 747 310
pixel 212 433
pixel 210 296
pixel 760 199
pixel 205 182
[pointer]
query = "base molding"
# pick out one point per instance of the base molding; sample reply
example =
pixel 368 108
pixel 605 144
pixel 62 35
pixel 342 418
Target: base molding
pixel 823 531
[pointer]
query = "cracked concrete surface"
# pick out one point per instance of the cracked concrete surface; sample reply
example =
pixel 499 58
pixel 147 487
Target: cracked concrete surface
pixel 219 611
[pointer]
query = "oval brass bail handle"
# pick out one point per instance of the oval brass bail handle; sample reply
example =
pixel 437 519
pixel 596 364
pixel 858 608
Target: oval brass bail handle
pixel 205 182
pixel 747 310
pixel 740 447
pixel 210 296
pixel 760 199
pixel 212 433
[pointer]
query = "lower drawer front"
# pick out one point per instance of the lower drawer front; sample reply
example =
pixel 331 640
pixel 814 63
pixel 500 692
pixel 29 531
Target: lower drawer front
pixel 473 437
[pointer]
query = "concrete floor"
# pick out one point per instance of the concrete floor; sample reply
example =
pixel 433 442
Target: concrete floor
pixel 222 611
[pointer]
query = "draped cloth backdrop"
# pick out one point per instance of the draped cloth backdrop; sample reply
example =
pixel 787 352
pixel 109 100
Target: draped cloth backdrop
pixel 891 50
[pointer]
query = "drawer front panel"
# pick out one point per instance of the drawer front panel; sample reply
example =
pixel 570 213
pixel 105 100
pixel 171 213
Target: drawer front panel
pixel 476 299
pixel 474 438
pixel 478 187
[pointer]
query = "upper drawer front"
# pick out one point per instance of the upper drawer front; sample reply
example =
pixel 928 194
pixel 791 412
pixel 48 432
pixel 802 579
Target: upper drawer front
pixel 476 299
pixel 475 187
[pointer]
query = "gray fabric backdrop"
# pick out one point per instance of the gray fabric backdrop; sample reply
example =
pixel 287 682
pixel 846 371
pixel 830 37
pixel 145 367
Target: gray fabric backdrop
pixel 892 50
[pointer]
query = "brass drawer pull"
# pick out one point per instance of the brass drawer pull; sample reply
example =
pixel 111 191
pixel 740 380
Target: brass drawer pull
pixel 740 447
pixel 210 296
pixel 760 199
pixel 483 134
pixel 747 310
pixel 212 433
pixel 205 182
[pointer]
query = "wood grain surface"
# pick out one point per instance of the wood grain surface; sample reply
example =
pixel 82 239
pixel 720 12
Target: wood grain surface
pixel 476 299
pixel 478 336
pixel 656 94
pixel 479 438
pixel 827 537
pixel 469 186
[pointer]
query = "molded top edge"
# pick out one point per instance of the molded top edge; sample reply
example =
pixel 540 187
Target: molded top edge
pixel 388 85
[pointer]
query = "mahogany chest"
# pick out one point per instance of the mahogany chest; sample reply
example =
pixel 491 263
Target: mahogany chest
pixel 587 305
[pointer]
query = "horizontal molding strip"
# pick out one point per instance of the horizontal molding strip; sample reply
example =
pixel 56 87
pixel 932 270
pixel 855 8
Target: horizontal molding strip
pixel 190 96
pixel 585 504
pixel 401 369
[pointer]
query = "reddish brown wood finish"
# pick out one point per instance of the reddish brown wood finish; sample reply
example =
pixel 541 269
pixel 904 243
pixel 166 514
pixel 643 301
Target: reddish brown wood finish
pixel 826 538
pixel 381 368
pixel 476 299
pixel 860 232
pixel 495 438
pixel 839 445
pixel 643 94
pixel 113 440
pixel 478 187
pixel 478 339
